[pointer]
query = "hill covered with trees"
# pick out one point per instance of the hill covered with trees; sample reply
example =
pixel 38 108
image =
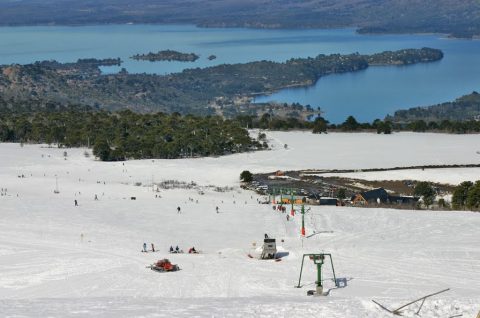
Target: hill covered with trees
pixel 214 90
pixel 465 108
pixel 459 18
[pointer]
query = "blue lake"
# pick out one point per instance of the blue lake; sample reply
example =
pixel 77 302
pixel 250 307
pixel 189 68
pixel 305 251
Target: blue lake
pixel 367 95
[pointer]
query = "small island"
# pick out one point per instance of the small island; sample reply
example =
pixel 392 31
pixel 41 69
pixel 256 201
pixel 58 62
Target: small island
pixel 166 55
pixel 212 57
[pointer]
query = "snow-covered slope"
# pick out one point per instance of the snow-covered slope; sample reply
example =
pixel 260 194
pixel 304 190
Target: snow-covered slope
pixel 59 260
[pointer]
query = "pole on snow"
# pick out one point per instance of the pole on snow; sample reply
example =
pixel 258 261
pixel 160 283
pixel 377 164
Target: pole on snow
pixel 303 221
pixel 292 212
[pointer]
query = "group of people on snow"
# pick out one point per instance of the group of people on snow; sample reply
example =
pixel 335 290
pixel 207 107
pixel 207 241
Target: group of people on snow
pixel 145 247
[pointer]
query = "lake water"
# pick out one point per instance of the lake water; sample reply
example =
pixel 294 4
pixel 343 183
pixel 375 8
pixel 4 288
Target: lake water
pixel 367 95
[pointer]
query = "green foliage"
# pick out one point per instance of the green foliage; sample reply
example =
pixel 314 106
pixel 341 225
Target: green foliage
pixel 246 176
pixel 418 126
pixel 442 203
pixel 320 125
pixel 350 124
pixel 473 197
pixel 463 109
pixel 384 127
pixel 426 191
pixel 466 195
pixel 188 92
pixel 341 194
pixel 167 55
pixel 129 135
pixel 460 194
pixel 101 149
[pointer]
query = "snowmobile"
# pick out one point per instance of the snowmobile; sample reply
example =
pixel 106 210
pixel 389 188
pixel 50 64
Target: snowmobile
pixel 164 265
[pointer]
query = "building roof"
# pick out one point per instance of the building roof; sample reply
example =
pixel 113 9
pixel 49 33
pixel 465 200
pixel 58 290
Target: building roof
pixel 375 194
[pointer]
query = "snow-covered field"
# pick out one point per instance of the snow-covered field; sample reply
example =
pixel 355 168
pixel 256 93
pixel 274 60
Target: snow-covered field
pixel 452 176
pixel 58 260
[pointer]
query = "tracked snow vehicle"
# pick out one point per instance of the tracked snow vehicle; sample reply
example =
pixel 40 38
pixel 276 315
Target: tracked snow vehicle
pixel 164 265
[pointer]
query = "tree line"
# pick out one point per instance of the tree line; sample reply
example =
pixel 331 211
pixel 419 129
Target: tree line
pixel 466 196
pixel 128 135
pixel 321 125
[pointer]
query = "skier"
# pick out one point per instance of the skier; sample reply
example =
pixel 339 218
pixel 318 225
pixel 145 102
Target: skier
pixel 144 247
pixel 177 250
pixel 217 209
pixel 76 203
pixel 288 217
pixel 153 248
pixel 178 209
pixel 96 197
pixel 171 249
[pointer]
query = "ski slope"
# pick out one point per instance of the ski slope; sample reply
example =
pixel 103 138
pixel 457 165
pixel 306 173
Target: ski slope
pixel 58 260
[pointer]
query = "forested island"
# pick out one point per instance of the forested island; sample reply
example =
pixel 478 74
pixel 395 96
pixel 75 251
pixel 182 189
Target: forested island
pixel 166 55
pixel 459 18
pixel 221 89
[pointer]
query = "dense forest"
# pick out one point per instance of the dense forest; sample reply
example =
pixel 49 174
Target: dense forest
pixel 207 91
pixel 125 134
pixel 459 18
pixel 465 108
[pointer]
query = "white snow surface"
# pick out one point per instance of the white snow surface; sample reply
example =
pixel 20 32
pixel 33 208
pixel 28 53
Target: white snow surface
pixel 453 176
pixel 47 269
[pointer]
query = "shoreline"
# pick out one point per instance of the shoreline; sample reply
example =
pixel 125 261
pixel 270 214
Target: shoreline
pixel 441 35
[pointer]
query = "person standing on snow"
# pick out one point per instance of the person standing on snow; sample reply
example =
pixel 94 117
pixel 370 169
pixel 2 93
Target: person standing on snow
pixel 76 203
pixel 153 248
pixel 217 209
pixel 145 247
pixel 178 209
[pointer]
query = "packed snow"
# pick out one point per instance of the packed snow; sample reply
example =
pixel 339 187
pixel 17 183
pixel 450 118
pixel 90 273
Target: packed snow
pixel 62 260
pixel 453 176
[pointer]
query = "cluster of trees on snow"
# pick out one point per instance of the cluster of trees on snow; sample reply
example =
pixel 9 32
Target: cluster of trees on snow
pixel 466 196
pixel 321 125
pixel 128 135
pixel 387 126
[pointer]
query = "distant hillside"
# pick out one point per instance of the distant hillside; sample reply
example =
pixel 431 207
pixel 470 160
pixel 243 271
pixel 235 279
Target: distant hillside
pixel 218 90
pixel 459 18
pixel 464 108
